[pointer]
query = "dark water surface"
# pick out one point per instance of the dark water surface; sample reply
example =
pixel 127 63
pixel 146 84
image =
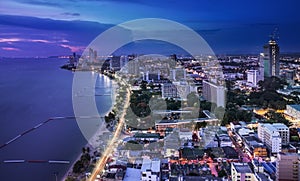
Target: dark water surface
pixel 31 91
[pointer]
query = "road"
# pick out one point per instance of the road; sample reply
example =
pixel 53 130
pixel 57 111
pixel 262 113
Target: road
pixel 112 144
pixel 238 148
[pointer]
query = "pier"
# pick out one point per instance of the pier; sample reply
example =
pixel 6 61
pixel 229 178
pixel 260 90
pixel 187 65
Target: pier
pixel 43 123
pixel 37 161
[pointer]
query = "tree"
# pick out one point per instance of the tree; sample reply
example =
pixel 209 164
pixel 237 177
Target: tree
pixel 78 166
pixel 222 173
pixel 244 116
pixel 192 99
pixel 277 118
pixel 201 114
pixel 143 85
pixel 70 179
pixel 200 125
pixel 295 138
pixel 219 112
pixel 229 85
pixel 205 105
pixel 151 85
pixel 173 104
pixel 272 83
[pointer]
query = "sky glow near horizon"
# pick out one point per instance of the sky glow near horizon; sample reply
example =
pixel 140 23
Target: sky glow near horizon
pixel 59 27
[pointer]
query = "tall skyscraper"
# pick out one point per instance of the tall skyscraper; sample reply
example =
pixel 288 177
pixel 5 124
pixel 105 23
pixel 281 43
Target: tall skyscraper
pixel 261 68
pixel 271 59
pixel 92 55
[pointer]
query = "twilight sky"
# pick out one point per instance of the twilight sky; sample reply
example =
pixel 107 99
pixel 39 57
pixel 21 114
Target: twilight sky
pixel 59 27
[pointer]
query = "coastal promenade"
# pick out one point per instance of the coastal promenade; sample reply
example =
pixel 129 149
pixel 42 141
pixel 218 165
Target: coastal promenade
pixel 112 143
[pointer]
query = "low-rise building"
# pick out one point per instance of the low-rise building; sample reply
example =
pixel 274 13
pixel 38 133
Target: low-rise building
pixel 146 136
pixel 242 172
pixel 293 111
pixel 171 145
pixel 224 140
pixel 150 170
pixel 162 126
pixel 132 174
pixel 235 126
pixel 185 134
pixel 255 147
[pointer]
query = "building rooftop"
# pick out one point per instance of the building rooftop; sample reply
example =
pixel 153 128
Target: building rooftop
pixel 262 177
pixel 280 126
pixel 288 154
pixel 242 167
pixel 147 135
pixel 155 165
pixel 254 142
pixel 201 178
pixel 191 153
pixel 269 127
pixel 132 174
pixel 230 152
pixel 184 130
pixel 150 165
pixel 245 131
pixel 296 106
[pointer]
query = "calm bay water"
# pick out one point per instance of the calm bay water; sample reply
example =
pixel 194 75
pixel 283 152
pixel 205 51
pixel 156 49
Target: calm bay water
pixel 31 91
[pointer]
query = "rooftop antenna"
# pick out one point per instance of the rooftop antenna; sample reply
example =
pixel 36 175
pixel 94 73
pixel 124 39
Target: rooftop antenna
pixel 275 35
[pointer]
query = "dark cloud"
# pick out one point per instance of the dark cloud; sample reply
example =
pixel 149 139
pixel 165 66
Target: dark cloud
pixel 223 38
pixel 41 3
pixel 71 14
pixel 70 34
pixel 209 31
pixel 50 24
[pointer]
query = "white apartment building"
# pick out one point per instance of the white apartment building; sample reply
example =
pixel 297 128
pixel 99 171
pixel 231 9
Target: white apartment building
pixel 214 93
pixel 150 170
pixel 177 90
pixel 270 136
pixel 284 132
pixel 253 77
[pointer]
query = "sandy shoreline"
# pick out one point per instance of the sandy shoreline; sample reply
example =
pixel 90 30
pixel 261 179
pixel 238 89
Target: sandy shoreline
pixel 102 129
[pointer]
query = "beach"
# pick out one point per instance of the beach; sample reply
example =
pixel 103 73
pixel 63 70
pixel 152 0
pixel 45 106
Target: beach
pixel 101 137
